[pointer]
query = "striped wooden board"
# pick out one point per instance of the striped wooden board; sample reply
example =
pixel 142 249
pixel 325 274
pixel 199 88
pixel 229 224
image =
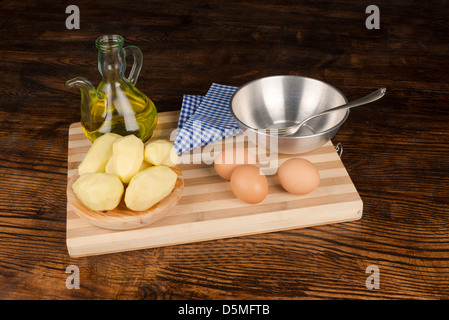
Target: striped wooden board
pixel 208 209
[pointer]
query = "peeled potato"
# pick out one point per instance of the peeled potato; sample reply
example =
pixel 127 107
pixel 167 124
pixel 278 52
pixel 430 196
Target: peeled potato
pixel 144 165
pixel 149 186
pixel 127 157
pixel 109 168
pixel 99 191
pixel 98 154
pixel 161 152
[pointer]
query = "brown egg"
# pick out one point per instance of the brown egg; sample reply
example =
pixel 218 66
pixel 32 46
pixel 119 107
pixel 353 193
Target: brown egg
pixel 298 176
pixel 248 184
pixel 231 158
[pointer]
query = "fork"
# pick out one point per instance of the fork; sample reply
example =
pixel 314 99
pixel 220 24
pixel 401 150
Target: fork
pixel 376 95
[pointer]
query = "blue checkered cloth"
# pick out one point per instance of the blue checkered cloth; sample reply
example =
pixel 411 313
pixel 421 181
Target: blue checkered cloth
pixel 205 119
pixel 189 104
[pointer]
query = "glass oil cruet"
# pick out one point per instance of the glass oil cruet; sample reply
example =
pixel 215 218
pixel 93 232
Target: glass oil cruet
pixel 116 105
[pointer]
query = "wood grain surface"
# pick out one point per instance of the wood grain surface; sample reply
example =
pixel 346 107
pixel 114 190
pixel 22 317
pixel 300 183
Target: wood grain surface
pixel 396 150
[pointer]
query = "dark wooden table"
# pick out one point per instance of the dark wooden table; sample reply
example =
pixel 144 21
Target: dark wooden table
pixel 396 151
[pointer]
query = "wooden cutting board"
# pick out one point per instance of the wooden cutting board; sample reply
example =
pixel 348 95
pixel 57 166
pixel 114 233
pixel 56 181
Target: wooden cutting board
pixel 208 209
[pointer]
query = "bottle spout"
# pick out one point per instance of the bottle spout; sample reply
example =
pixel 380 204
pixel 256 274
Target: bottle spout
pixel 88 91
pixel 92 116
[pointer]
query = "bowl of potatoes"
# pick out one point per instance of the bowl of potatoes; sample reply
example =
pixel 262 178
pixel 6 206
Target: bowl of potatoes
pixel 123 184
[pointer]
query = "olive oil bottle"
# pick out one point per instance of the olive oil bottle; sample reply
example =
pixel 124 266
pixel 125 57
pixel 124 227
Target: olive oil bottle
pixel 116 105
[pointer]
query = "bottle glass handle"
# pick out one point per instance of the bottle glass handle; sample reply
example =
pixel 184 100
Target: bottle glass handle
pixel 137 65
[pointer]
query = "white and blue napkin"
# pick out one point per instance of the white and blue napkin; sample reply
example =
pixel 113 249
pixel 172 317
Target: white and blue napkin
pixel 205 119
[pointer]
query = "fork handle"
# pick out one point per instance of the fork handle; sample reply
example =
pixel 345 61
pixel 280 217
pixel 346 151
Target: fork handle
pixel 376 95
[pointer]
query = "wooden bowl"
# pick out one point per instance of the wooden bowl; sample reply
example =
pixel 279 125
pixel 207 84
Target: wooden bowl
pixel 122 218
